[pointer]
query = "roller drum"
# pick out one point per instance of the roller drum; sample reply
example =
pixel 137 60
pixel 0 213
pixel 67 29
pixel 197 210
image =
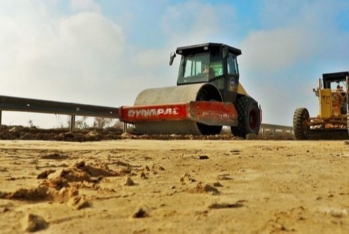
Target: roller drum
pixel 177 94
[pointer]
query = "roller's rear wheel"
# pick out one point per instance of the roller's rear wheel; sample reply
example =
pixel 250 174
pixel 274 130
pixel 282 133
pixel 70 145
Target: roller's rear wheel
pixel 248 117
pixel 300 124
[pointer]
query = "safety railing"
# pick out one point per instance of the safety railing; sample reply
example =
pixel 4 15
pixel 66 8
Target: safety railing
pixel 273 129
pixel 74 109
pixel 53 107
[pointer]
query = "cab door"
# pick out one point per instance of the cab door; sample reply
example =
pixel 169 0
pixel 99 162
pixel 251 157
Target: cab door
pixel 232 77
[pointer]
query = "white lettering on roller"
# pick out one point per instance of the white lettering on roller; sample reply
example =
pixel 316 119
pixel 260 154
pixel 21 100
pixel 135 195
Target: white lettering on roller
pixel 153 112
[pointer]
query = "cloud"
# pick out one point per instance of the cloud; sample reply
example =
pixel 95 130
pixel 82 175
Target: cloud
pixel 87 42
pixel 79 57
pixel 270 50
pixel 193 22
pixel 44 56
pixel 293 34
pixel 293 45
pixel 84 5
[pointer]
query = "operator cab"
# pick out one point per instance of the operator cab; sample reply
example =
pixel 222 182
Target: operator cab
pixel 214 63
pixel 333 80
pixel 338 84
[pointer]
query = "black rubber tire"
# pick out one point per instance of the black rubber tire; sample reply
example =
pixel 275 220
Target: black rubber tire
pixel 249 119
pixel 300 127
pixel 348 123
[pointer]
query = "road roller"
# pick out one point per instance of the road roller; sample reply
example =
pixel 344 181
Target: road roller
pixel 207 97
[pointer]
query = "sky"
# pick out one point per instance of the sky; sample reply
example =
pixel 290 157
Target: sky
pixel 105 52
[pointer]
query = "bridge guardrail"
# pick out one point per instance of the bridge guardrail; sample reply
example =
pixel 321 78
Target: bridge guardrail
pixel 274 129
pixel 52 107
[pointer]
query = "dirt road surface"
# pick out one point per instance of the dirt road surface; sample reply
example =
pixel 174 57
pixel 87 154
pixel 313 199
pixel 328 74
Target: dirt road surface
pixel 177 186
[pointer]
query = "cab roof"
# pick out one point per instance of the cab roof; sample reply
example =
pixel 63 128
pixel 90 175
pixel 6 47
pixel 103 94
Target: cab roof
pixel 328 78
pixel 336 76
pixel 206 46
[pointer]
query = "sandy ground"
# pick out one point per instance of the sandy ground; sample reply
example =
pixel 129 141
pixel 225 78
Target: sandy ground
pixel 178 186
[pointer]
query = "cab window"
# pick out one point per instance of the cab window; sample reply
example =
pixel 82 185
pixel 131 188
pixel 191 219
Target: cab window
pixel 192 68
pixel 216 64
pixel 232 65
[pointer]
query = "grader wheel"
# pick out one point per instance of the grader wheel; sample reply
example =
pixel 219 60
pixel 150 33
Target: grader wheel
pixel 300 126
pixel 348 123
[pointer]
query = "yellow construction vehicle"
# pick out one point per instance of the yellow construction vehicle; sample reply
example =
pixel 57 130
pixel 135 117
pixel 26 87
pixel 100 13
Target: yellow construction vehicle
pixel 331 121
